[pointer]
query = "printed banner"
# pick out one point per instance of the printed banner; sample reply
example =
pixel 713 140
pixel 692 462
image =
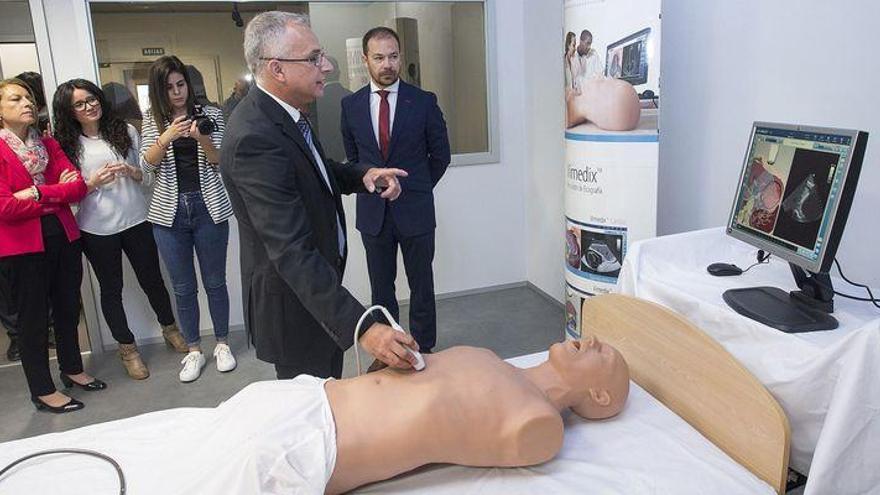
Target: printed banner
pixel 611 61
pixel 574 300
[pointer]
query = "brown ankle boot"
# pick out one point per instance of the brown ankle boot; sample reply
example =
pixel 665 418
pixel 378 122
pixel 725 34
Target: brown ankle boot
pixel 174 339
pixel 131 360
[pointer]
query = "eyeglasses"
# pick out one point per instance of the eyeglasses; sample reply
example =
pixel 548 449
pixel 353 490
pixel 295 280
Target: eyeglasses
pixel 91 101
pixel 316 59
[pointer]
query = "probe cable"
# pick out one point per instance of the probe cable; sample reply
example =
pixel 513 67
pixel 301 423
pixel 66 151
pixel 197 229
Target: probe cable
pixel 92 453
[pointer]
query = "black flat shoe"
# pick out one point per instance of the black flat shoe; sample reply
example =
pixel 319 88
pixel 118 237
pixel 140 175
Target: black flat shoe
pixel 92 386
pixel 13 353
pixel 72 405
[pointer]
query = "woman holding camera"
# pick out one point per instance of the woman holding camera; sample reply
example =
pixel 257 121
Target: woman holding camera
pixel 113 215
pixel 189 208
pixel 40 247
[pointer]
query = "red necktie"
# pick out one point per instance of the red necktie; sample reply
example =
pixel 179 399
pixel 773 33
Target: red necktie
pixel 384 123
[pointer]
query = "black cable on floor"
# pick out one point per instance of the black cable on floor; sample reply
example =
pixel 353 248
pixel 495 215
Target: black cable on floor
pixel 71 451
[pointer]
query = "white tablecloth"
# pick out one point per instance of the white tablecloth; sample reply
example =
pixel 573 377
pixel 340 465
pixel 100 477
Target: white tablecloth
pixel 827 382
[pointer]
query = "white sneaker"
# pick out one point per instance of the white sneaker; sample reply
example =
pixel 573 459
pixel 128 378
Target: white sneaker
pixel 225 359
pixel 192 366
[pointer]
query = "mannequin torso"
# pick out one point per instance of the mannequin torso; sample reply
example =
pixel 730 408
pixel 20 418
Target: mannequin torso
pixel 467 407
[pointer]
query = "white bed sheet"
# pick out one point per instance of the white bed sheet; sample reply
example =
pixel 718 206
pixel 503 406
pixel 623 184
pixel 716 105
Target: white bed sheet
pixel 825 381
pixel 647 449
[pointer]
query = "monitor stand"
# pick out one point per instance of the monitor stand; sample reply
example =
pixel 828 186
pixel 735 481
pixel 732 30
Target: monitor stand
pixel 805 310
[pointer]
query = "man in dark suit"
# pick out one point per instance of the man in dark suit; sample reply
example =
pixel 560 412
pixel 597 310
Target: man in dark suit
pixel 394 124
pixel 286 197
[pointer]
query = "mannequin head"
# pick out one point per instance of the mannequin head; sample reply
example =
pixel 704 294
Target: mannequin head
pixel 595 373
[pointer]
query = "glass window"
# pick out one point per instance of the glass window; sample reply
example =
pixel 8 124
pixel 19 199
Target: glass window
pixel 443 49
pixel 18 52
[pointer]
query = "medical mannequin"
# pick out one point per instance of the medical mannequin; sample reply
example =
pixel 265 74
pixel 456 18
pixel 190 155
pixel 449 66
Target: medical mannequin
pixel 469 407
pixel 611 104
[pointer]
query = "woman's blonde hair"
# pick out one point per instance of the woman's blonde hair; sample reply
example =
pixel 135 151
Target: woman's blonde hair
pixel 18 82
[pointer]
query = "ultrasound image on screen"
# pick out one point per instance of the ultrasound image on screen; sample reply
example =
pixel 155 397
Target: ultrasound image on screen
pixel 627 58
pixel 632 60
pixel 805 196
pixel 601 253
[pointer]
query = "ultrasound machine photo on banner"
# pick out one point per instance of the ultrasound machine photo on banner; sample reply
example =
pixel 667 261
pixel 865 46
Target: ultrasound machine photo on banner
pixel 794 195
pixel 628 59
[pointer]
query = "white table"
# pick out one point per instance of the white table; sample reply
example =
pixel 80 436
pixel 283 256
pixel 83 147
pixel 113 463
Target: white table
pixel 827 382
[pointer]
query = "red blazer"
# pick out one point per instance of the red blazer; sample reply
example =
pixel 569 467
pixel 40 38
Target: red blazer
pixel 20 228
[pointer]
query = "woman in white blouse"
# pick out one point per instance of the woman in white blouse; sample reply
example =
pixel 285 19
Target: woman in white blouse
pixel 113 215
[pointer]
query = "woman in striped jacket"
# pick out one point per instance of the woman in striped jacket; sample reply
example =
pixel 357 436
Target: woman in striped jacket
pixel 189 208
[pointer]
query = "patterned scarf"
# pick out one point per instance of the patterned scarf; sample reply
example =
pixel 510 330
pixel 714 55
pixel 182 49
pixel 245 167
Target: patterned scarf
pixel 31 152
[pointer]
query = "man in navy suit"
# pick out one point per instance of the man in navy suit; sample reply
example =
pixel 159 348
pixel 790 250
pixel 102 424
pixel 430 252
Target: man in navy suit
pixel 390 123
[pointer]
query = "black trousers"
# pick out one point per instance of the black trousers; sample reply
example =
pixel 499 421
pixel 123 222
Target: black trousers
pixel 35 279
pixel 320 366
pixel 418 255
pixel 8 309
pixel 104 252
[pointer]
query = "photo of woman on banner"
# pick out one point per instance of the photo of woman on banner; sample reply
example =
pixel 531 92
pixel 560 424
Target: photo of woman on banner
pixel 571 65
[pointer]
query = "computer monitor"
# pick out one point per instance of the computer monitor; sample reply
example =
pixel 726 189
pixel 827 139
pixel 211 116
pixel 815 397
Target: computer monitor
pixel 627 58
pixel 794 195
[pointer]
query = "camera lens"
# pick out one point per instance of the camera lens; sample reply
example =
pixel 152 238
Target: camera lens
pixel 205 125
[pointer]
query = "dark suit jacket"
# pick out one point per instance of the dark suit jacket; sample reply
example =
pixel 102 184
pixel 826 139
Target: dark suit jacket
pixel 419 144
pixel 295 307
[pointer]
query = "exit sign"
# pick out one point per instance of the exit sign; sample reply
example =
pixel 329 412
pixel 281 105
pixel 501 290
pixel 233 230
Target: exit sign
pixel 152 52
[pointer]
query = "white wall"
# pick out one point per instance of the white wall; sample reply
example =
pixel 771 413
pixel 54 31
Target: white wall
pixel 545 224
pixel 727 64
pixel 481 234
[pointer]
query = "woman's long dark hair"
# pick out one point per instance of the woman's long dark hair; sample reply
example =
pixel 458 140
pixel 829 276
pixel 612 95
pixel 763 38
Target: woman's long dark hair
pixel 159 102
pixel 112 129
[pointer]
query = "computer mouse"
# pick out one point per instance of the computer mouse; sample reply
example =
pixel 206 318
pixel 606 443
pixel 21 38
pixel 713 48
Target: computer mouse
pixel 723 269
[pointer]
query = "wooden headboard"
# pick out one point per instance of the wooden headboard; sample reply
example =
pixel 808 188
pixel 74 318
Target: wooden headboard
pixel 696 378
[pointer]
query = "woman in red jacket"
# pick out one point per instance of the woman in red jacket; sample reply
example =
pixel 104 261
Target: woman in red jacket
pixel 40 247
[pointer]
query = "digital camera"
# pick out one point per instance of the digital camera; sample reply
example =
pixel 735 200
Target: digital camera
pixel 204 124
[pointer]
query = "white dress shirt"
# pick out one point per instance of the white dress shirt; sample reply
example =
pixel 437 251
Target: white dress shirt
pixel 375 100
pixel 295 115
pixel 591 66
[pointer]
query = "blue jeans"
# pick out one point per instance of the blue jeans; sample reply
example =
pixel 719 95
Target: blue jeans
pixel 194 228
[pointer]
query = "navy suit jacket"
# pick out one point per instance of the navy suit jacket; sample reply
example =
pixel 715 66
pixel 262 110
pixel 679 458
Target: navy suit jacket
pixel 419 144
